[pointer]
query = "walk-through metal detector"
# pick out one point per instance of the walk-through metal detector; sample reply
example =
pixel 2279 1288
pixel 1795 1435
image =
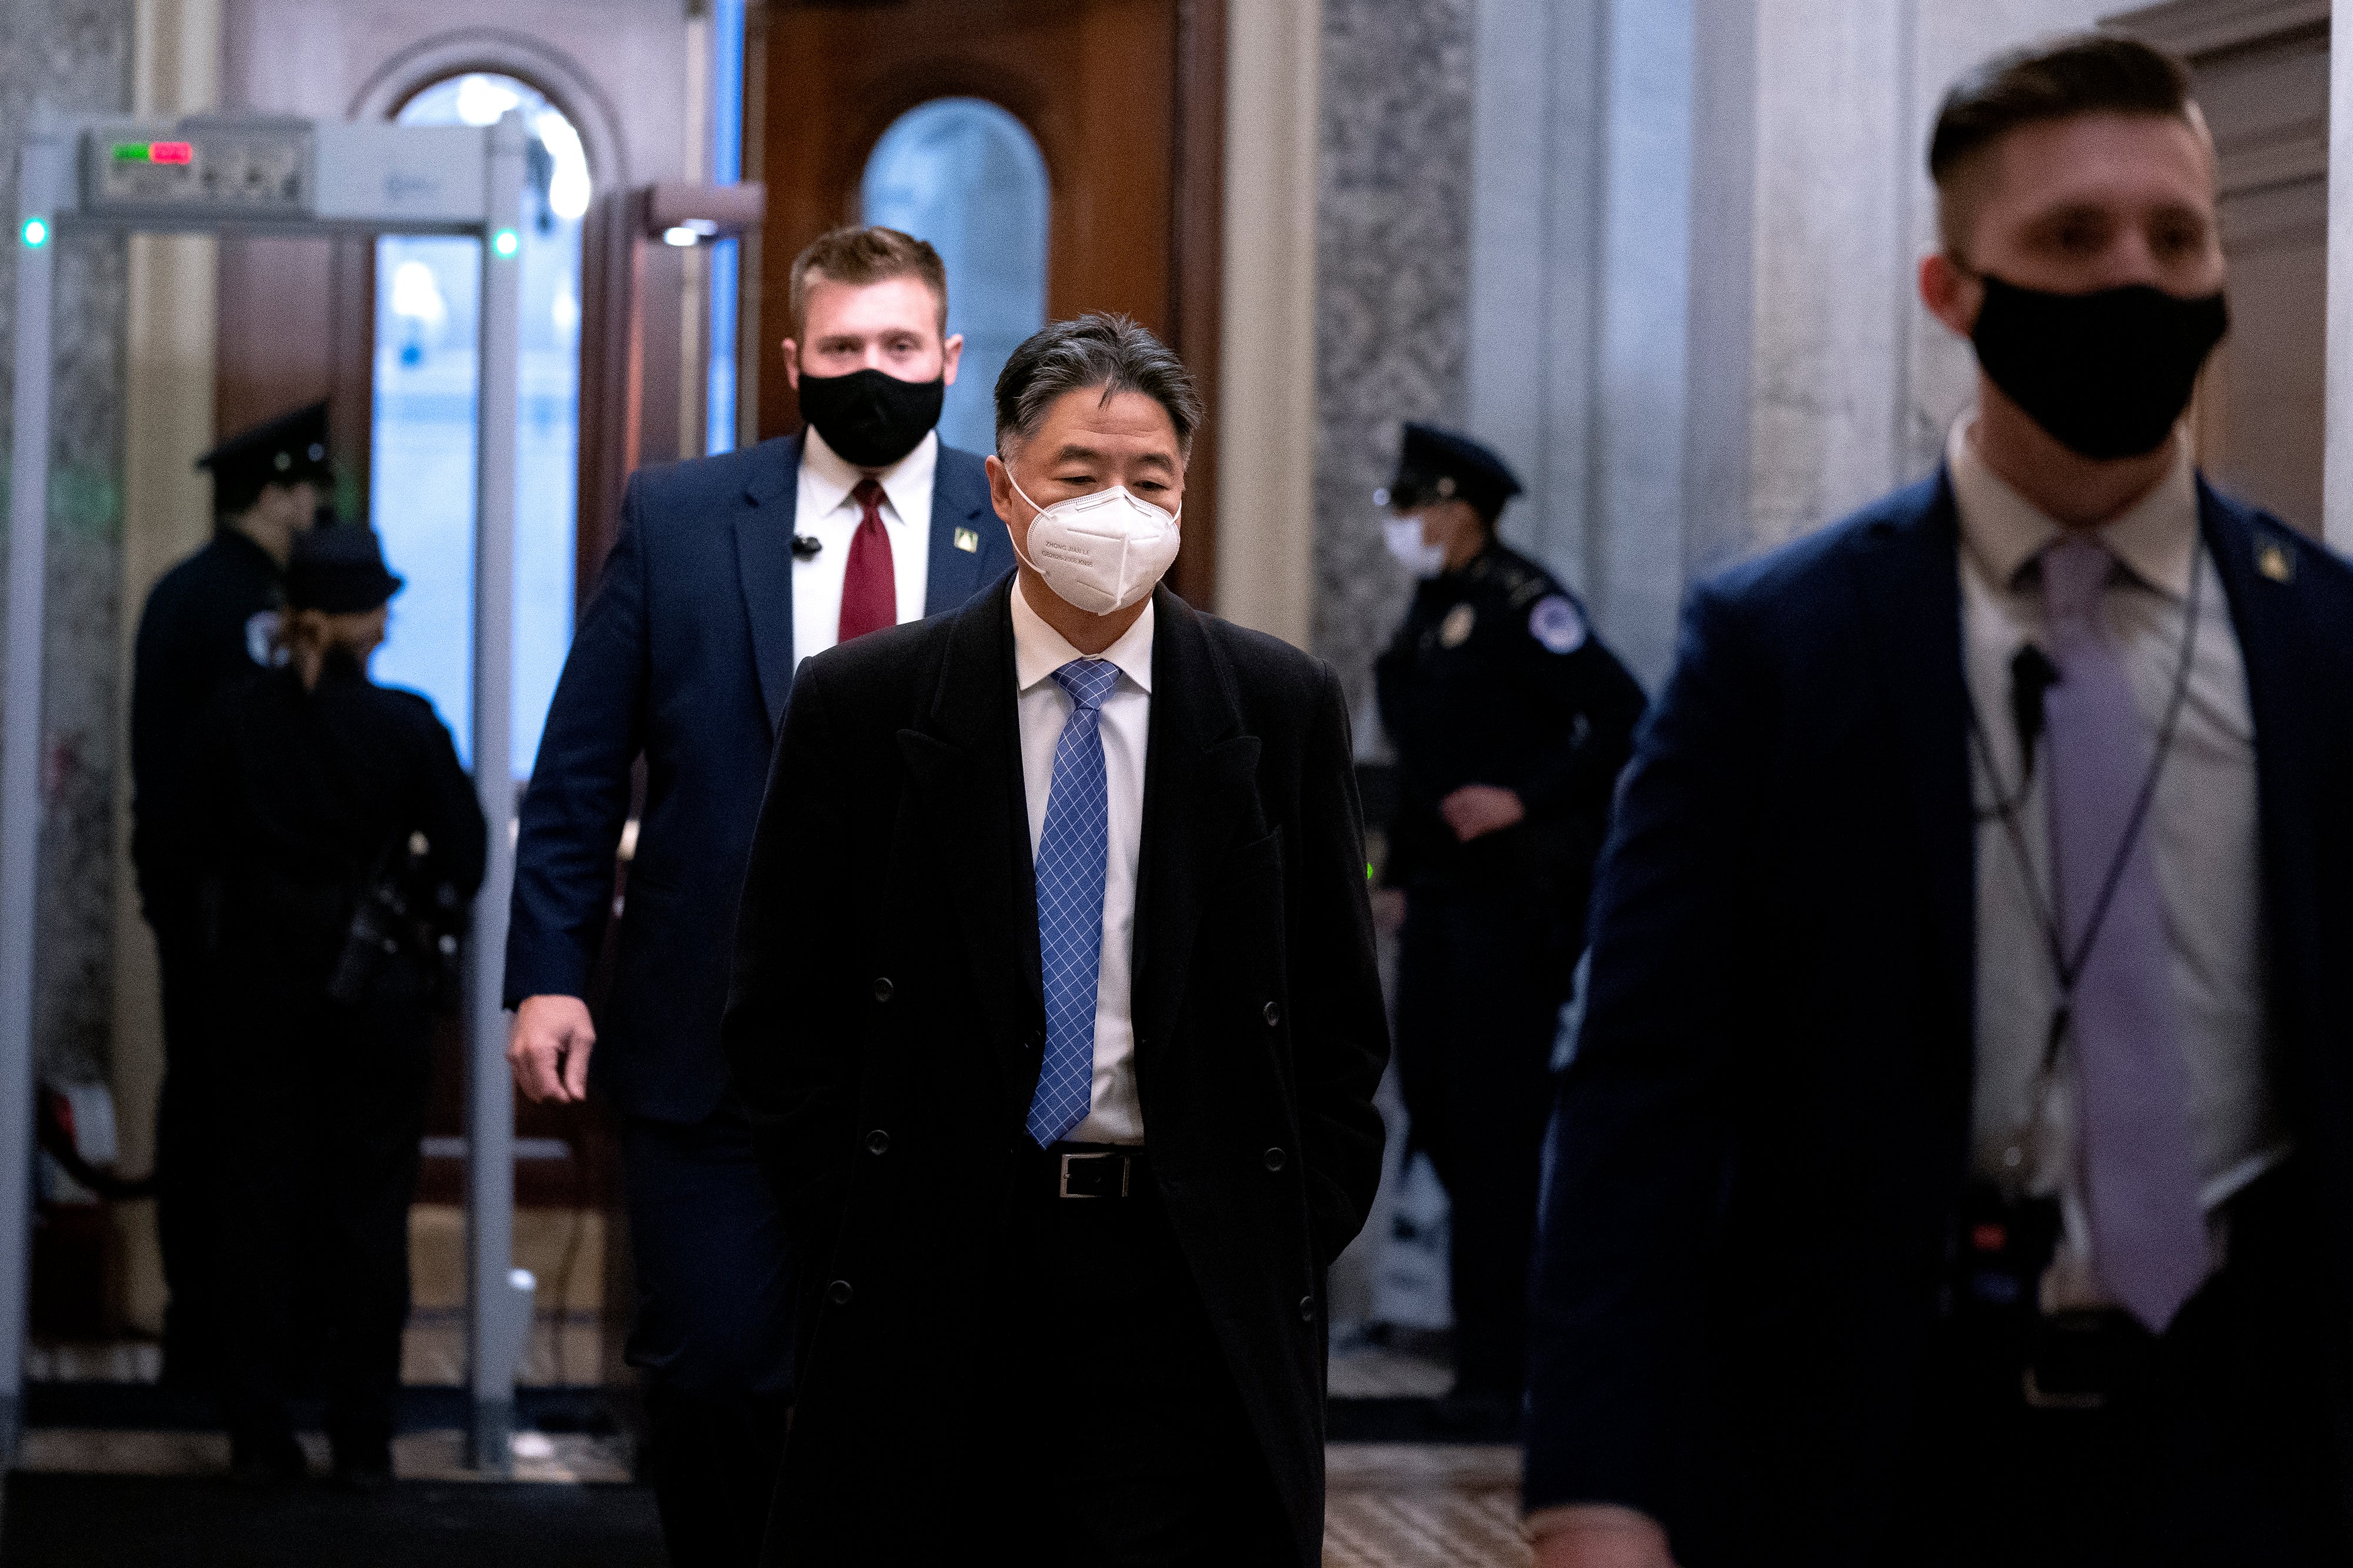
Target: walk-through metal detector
pixel 275 175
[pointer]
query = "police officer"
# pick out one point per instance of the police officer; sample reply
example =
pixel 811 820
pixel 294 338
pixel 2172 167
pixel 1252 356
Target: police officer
pixel 209 622
pixel 341 835
pixel 1511 722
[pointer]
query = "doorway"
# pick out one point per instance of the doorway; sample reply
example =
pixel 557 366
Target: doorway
pixel 1064 156
pixel 423 415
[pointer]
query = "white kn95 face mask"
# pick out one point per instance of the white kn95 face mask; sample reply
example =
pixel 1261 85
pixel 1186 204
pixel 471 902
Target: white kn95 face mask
pixel 1101 552
pixel 1403 536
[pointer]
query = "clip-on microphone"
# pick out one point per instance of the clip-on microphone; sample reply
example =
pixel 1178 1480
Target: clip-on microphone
pixel 806 546
pixel 2031 674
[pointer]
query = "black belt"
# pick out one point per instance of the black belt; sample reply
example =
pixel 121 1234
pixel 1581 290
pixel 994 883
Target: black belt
pixel 2083 1359
pixel 1091 1170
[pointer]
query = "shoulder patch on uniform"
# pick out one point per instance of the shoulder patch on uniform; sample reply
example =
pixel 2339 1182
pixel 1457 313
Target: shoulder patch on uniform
pixel 261 638
pixel 1556 623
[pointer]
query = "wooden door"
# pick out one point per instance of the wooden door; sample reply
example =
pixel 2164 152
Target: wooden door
pixel 1126 99
pixel 2261 74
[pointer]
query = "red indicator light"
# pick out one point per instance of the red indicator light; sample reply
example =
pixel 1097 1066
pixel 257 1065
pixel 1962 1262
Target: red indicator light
pixel 172 152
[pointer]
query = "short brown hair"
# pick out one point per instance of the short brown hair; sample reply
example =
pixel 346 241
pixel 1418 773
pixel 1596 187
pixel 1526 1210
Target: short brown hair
pixel 2061 78
pixel 861 254
pixel 1109 352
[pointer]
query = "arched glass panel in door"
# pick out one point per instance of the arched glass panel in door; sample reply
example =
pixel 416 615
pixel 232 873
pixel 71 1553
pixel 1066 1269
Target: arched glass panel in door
pixel 421 488
pixel 966 175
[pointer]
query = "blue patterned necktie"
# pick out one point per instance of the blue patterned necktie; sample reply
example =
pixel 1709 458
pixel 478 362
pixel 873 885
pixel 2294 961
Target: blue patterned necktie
pixel 1071 853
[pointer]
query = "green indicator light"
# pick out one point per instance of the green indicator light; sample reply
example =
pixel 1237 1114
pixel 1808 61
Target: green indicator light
pixel 131 152
pixel 37 233
pixel 505 242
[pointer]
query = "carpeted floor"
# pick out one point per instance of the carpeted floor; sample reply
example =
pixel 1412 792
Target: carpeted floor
pixel 140 1521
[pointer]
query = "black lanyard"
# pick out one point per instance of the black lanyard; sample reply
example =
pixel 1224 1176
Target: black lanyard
pixel 2066 967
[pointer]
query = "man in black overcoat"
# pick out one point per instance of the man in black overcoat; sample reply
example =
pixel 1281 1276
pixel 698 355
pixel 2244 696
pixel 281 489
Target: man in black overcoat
pixel 1055 1010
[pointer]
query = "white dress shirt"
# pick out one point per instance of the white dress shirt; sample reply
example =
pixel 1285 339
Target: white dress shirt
pixel 2202 828
pixel 1116 1114
pixel 824 512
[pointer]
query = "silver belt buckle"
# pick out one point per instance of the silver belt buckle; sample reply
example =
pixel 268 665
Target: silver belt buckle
pixel 2038 1398
pixel 1127 1169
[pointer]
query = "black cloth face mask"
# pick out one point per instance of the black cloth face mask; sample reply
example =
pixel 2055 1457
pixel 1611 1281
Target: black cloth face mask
pixel 872 418
pixel 2106 374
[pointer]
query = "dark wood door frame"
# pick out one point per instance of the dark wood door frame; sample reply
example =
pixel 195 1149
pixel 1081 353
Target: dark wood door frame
pixel 1191 312
pixel 1197 230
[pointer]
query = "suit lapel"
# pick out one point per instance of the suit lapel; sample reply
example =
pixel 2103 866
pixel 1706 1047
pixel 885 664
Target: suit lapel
pixel 2262 610
pixel 1907 577
pixel 763 559
pixel 2258 563
pixel 1199 783
pixel 957 505
pixel 965 763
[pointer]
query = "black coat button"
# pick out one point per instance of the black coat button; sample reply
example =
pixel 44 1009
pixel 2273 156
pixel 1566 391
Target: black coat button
pixel 1274 1159
pixel 881 988
pixel 1306 1305
pixel 838 1293
pixel 1273 1013
pixel 878 1141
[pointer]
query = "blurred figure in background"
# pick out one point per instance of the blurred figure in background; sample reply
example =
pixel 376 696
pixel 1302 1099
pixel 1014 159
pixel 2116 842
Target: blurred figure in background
pixel 1511 721
pixel 341 843
pixel 1956 1167
pixel 209 622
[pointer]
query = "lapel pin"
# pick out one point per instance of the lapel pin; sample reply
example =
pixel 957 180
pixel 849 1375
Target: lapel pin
pixel 2273 562
pixel 967 540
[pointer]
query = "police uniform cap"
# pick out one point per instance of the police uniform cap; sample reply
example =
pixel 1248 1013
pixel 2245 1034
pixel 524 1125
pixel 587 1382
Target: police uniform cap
pixel 282 451
pixel 339 569
pixel 1440 465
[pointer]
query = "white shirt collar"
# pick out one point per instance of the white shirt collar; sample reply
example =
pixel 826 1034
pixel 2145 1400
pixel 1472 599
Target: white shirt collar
pixel 1039 650
pixel 2156 537
pixel 832 476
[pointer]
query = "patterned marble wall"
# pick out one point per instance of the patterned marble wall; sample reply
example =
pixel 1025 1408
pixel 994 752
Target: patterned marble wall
pixel 65 58
pixel 1393 225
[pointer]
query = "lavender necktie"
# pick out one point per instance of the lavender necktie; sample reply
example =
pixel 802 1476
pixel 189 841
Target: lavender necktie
pixel 2149 1230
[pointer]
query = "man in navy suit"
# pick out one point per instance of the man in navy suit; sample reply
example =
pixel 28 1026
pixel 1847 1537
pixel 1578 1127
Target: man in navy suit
pixel 729 570
pixel 1958 1163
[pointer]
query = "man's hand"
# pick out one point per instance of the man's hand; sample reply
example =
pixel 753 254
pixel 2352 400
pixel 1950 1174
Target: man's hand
pixel 1600 1535
pixel 1476 810
pixel 549 1048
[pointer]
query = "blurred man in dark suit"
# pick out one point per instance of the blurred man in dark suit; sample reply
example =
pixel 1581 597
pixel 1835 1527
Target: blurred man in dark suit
pixel 1958 1163
pixel 1055 1007
pixel 729 571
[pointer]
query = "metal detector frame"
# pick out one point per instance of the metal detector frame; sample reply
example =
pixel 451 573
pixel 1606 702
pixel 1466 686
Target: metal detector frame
pixel 365 179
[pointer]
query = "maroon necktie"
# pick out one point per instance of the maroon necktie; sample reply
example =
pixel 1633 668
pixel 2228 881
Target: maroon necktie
pixel 869 594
